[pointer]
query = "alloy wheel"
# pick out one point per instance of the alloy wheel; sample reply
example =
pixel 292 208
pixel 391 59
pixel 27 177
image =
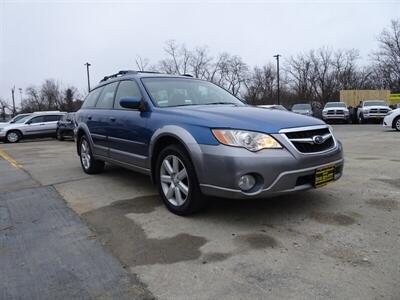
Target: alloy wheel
pixel 174 180
pixel 397 125
pixel 85 154
pixel 12 137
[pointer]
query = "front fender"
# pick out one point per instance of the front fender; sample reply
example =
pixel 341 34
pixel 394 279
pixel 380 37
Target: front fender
pixel 187 140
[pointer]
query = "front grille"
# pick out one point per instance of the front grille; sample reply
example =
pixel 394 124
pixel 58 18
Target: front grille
pixel 378 111
pixel 306 133
pixel 307 146
pixel 340 112
pixel 310 148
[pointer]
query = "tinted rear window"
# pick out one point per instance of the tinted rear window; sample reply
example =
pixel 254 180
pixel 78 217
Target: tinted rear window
pixel 52 118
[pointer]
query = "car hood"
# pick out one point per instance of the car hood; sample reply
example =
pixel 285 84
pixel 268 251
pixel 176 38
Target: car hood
pixel 242 117
pixel 4 124
pixel 13 126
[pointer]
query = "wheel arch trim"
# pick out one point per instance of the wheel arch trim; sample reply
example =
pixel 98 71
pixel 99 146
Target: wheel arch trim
pixel 185 138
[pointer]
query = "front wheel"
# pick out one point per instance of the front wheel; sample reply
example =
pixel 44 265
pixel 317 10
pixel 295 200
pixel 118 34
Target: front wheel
pixel 89 164
pixel 13 136
pixel 396 123
pixel 177 182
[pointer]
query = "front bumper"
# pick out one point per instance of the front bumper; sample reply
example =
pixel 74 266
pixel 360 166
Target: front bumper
pixel 388 121
pixel 279 171
pixel 374 116
pixel 335 117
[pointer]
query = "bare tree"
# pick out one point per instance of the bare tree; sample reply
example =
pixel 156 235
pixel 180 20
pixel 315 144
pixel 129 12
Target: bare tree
pixel 300 70
pixel 142 63
pixel 387 58
pixel 50 91
pixel 178 59
pixel 260 85
pixel 3 106
pixel 200 63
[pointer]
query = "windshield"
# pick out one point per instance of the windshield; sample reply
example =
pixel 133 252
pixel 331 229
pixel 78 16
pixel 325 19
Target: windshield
pixel 280 107
pixel 335 104
pixel 16 118
pixel 372 103
pixel 167 92
pixel 302 106
pixel 22 120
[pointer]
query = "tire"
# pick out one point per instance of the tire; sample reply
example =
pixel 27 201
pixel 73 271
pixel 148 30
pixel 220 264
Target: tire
pixel 88 163
pixel 396 123
pixel 13 136
pixel 182 196
pixel 59 135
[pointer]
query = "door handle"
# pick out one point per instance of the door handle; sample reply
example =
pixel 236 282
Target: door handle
pixel 112 119
pixel 89 117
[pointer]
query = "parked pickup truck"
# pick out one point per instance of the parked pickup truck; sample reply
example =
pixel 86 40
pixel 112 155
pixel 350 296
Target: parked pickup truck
pixel 372 110
pixel 335 111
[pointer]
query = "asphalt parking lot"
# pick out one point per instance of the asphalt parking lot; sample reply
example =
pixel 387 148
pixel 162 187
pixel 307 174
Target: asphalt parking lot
pixel 66 234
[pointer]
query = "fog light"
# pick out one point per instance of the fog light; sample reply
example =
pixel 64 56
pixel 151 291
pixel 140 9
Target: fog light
pixel 247 182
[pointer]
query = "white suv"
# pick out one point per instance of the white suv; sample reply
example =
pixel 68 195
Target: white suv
pixel 392 119
pixel 38 124
pixel 335 111
pixel 372 110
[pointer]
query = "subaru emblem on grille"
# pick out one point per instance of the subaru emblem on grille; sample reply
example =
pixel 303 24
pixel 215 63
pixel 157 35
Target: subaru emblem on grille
pixel 318 139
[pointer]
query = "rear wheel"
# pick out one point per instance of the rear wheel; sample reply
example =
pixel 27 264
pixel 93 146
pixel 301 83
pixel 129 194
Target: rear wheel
pixel 177 182
pixel 396 123
pixel 13 136
pixel 89 164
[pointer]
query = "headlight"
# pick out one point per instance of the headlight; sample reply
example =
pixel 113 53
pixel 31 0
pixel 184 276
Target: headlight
pixel 388 113
pixel 252 141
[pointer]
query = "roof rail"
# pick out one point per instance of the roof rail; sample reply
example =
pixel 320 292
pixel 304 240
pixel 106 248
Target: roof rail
pixel 120 73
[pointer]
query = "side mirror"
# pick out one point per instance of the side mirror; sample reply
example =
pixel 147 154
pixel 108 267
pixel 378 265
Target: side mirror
pixel 28 122
pixel 130 102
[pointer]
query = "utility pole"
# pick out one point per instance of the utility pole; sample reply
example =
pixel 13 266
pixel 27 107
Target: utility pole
pixel 88 78
pixel 20 93
pixel 13 100
pixel 277 75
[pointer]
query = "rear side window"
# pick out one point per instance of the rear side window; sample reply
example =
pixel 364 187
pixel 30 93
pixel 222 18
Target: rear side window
pixel 106 99
pixel 52 118
pixel 126 88
pixel 38 119
pixel 91 99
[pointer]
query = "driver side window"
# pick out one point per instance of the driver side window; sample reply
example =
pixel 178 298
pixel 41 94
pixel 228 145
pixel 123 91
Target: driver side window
pixel 126 88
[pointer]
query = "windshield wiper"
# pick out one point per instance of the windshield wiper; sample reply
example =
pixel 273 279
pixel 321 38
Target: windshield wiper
pixel 216 103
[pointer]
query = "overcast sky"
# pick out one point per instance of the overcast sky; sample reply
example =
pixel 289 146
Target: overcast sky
pixel 40 40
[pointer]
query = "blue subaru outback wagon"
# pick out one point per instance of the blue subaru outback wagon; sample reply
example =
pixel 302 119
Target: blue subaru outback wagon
pixel 195 139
